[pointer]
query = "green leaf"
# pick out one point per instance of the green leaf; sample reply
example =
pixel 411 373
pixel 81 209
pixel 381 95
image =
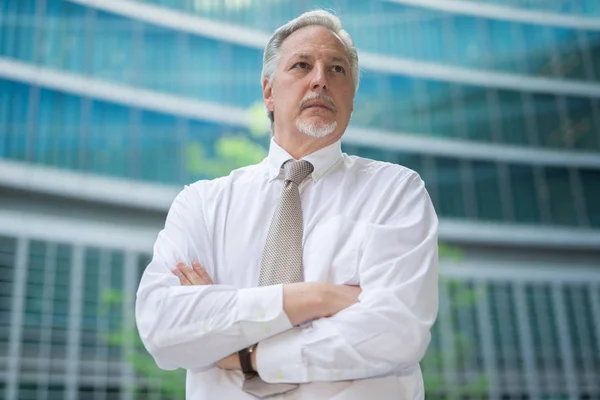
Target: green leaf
pixel 239 151
pixel 232 152
pixel 479 387
pixel 110 298
pixel 451 253
pixel 464 298
pixel 194 156
pixel 434 383
pixel 113 297
pixel 115 338
pixel 259 124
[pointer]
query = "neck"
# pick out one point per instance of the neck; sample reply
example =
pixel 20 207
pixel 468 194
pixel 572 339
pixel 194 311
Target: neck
pixel 299 145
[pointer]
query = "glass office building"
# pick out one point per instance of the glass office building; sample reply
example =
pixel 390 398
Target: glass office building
pixel 108 107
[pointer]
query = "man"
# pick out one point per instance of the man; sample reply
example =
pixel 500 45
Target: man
pixel 314 272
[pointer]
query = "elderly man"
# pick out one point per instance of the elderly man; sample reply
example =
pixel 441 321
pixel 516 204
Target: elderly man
pixel 312 275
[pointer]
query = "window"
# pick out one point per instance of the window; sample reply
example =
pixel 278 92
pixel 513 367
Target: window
pixel 7 270
pixel 581 128
pixel 476 101
pixel 547 117
pixel 18 30
pixel 448 182
pixel 512 114
pixel 467 339
pixel 443 109
pixel 586 353
pixel 590 182
pixel 157 147
pixel 109 128
pixel 487 191
pixel 546 348
pixel 524 195
pixel 505 335
pixel 560 197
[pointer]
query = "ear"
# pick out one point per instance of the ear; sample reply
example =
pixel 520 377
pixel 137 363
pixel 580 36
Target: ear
pixel 267 94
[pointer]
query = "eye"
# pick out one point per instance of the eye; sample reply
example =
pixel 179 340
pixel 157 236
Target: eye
pixel 339 69
pixel 300 64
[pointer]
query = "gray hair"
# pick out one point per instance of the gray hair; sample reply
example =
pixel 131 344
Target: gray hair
pixel 318 18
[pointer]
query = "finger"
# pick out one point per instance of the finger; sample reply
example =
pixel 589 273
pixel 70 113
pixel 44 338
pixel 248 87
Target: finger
pixel 199 271
pixel 183 280
pixel 190 274
pixel 202 272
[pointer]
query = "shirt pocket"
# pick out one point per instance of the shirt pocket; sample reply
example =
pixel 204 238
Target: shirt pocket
pixel 333 249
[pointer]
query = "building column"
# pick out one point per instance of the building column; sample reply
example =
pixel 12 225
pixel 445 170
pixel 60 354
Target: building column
pixel 16 319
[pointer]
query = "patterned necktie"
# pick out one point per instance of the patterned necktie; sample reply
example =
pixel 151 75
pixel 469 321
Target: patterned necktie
pixel 282 256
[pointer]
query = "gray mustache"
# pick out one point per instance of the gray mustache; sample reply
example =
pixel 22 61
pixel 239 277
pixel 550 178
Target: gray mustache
pixel 318 97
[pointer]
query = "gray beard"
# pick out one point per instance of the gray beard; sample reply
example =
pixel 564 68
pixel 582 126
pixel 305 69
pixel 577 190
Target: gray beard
pixel 316 130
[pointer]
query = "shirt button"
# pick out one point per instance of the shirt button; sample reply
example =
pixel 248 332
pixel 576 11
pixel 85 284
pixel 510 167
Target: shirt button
pixel 337 374
pixel 261 314
pixel 280 375
pixel 268 329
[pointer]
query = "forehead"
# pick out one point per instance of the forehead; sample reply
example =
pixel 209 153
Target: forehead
pixel 312 39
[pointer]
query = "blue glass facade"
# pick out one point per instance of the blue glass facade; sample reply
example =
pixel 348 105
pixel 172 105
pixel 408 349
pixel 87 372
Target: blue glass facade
pixel 585 8
pixel 80 40
pixel 110 139
pixel 56 126
pixel 429 34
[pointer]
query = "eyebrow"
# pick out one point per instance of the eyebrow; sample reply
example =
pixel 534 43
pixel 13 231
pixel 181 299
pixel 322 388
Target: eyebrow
pixel 305 56
pixel 340 59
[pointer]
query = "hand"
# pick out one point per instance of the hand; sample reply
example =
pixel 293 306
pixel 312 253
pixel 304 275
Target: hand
pixel 231 362
pixel 196 275
pixel 338 297
pixel 305 301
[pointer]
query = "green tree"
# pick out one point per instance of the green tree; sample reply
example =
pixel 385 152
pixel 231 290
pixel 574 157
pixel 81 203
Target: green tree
pixel 462 298
pixel 170 384
pixel 232 150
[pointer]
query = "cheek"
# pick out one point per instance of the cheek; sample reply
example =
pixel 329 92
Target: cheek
pixel 288 97
pixel 346 104
pixel 345 99
pixel 291 100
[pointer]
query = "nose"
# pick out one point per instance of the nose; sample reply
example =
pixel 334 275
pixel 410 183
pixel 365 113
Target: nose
pixel 319 78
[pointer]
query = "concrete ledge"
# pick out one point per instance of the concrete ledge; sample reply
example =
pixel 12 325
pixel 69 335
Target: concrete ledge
pixel 155 198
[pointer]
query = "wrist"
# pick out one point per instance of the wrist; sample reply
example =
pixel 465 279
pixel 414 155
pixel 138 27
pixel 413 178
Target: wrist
pixel 306 301
pixel 246 356
pixel 320 299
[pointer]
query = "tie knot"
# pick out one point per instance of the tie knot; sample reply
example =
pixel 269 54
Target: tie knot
pixel 297 171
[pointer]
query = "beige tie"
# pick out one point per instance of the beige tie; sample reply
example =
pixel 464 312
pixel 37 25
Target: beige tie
pixel 282 256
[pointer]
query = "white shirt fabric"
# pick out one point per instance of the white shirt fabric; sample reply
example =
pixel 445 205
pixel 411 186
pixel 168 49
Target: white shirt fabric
pixel 366 223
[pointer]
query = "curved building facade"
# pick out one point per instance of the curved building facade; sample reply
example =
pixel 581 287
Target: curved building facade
pixel 108 107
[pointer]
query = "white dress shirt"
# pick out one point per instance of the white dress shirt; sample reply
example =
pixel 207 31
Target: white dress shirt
pixel 366 223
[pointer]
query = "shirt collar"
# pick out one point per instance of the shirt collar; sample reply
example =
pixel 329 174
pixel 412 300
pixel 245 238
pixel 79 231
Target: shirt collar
pixel 322 159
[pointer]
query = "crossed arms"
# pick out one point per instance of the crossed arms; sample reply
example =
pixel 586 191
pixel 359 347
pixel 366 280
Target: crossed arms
pixel 387 330
pixel 302 302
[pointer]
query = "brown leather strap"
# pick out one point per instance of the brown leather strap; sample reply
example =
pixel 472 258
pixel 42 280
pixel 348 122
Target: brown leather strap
pixel 246 361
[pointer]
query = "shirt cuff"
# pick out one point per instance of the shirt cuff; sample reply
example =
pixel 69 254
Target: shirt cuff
pixel 260 311
pixel 279 358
